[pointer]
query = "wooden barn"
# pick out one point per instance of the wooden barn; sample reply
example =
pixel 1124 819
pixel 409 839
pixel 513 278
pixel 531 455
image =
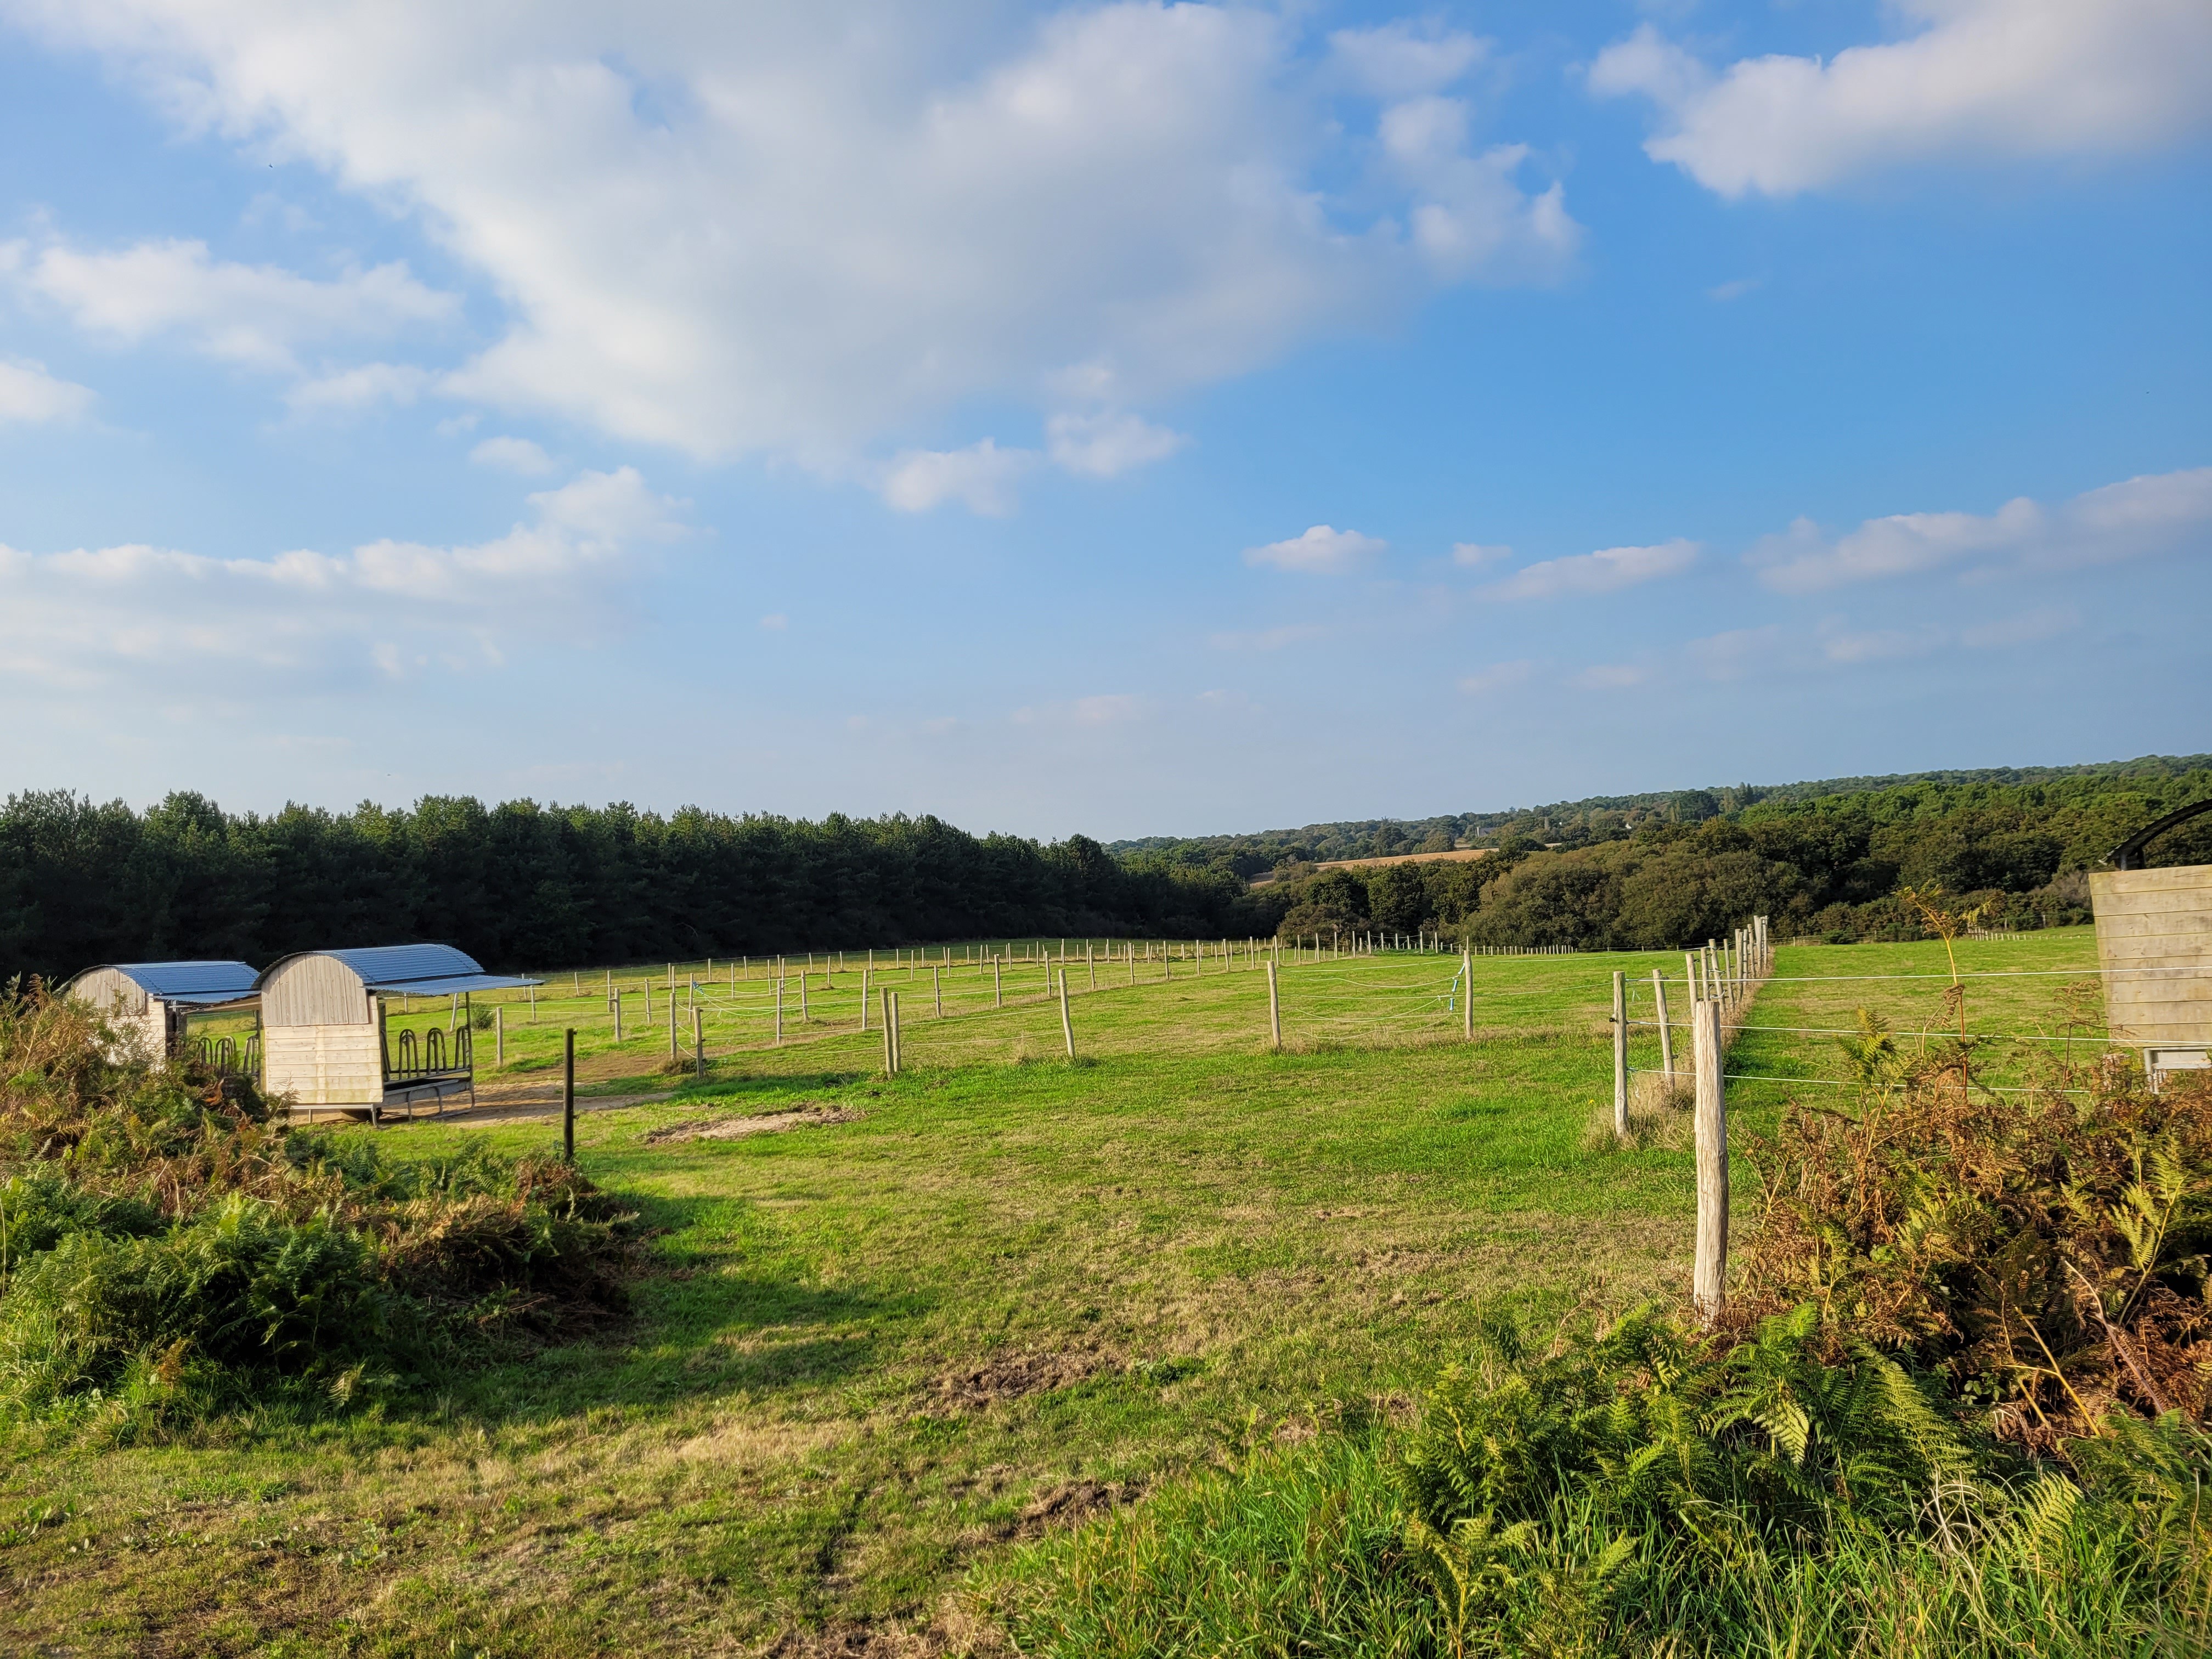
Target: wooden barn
pixel 2154 945
pixel 326 1038
pixel 151 1002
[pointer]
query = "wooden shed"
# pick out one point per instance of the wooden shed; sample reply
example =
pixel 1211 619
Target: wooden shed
pixel 2154 945
pixel 150 1002
pixel 324 1038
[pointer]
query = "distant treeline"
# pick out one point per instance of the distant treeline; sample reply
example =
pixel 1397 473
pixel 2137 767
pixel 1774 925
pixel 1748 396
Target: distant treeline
pixel 1600 818
pixel 523 886
pixel 1826 865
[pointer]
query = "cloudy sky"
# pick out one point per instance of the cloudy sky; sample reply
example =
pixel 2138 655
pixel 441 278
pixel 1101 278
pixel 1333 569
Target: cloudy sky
pixel 1130 418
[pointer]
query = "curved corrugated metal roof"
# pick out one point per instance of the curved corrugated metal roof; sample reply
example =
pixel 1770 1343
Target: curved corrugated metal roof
pixel 424 967
pixel 185 982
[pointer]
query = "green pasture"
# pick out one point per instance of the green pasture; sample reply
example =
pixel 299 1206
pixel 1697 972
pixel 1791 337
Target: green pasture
pixel 984 1300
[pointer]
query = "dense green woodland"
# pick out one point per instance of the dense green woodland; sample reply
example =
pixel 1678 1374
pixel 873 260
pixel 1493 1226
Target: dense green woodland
pixel 1600 818
pixel 525 885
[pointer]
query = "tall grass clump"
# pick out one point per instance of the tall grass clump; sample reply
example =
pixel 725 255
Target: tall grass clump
pixel 1957 1404
pixel 167 1250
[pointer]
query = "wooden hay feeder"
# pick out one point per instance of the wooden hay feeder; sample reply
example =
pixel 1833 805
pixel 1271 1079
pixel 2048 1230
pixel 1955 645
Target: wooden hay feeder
pixel 327 1044
pixel 2154 945
pixel 149 1004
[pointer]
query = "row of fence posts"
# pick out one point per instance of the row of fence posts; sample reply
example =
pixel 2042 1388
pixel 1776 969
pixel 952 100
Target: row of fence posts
pixel 1722 978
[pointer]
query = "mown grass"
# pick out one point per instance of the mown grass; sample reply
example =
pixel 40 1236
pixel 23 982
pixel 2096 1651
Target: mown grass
pixel 869 1358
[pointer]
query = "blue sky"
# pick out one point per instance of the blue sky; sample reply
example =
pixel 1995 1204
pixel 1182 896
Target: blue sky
pixel 1117 418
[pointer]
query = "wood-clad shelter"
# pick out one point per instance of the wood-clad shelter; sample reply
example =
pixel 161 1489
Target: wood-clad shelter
pixel 2154 945
pixel 150 1002
pixel 325 1041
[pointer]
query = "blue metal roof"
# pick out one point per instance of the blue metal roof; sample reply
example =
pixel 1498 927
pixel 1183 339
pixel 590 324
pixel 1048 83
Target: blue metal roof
pixel 186 981
pixel 430 970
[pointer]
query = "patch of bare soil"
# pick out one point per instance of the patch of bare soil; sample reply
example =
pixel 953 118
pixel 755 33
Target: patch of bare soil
pixel 735 1126
pixel 1012 1375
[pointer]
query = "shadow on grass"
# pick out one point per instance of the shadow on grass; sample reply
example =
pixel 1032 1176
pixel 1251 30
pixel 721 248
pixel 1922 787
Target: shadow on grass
pixel 731 1315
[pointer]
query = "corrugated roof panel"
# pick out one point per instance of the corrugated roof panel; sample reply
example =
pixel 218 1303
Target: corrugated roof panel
pixel 452 983
pixel 430 969
pixel 189 982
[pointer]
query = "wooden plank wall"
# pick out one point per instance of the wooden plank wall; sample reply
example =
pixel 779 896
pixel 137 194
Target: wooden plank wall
pixel 324 1065
pixel 315 990
pixel 137 1018
pixel 2155 943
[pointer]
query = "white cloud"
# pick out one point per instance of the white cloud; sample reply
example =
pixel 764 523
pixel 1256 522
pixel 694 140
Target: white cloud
pixel 2132 519
pixel 2028 627
pixel 1975 78
pixel 117 617
pixel 808 229
pixel 1610 676
pixel 1401 59
pixel 1269 638
pixel 1840 644
pixel 1498 676
pixel 1323 550
pixel 254 316
pixel 29 394
pixel 1101 446
pixel 1723 292
pixel 774 622
pixel 1473 556
pixel 513 455
pixel 1605 571
pixel 981 476
pixel 354 389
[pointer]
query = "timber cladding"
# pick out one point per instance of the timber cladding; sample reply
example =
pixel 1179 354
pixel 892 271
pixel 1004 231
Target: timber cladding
pixel 324 1065
pixel 315 990
pixel 2154 943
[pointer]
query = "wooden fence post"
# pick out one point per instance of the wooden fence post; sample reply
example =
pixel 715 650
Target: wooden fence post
pixel 672 1026
pixel 997 984
pixel 568 1095
pixel 1707 1287
pixel 499 1034
pixel 1467 997
pixel 937 988
pixel 1091 962
pixel 779 1013
pixel 865 974
pixel 1275 1010
pixel 1666 1035
pixel 618 1017
pixel 890 1049
pixel 1620 1053
pixel 1066 1025
pixel 699 1042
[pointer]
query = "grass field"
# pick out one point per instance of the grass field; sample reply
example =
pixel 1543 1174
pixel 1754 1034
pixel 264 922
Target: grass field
pixel 949 1310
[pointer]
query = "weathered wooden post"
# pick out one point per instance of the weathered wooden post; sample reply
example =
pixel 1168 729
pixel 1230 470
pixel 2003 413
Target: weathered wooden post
pixel 997 983
pixel 568 1095
pixel 672 1026
pixel 1620 1053
pixel 618 1016
pixel 865 975
pixel 499 1034
pixel 1708 1283
pixel 937 988
pixel 699 1043
pixel 1066 1025
pixel 1091 962
pixel 779 1013
pixel 1666 1035
pixel 533 1004
pixel 890 1049
pixel 1274 1011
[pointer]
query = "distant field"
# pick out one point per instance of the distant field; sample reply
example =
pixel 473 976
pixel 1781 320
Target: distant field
pixel 1002 1293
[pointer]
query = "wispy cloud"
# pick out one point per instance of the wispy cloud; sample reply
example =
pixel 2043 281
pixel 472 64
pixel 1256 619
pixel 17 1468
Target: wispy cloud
pixel 2136 516
pixel 30 395
pixel 1606 571
pixel 1499 676
pixel 1323 550
pixel 1473 556
pixel 512 455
